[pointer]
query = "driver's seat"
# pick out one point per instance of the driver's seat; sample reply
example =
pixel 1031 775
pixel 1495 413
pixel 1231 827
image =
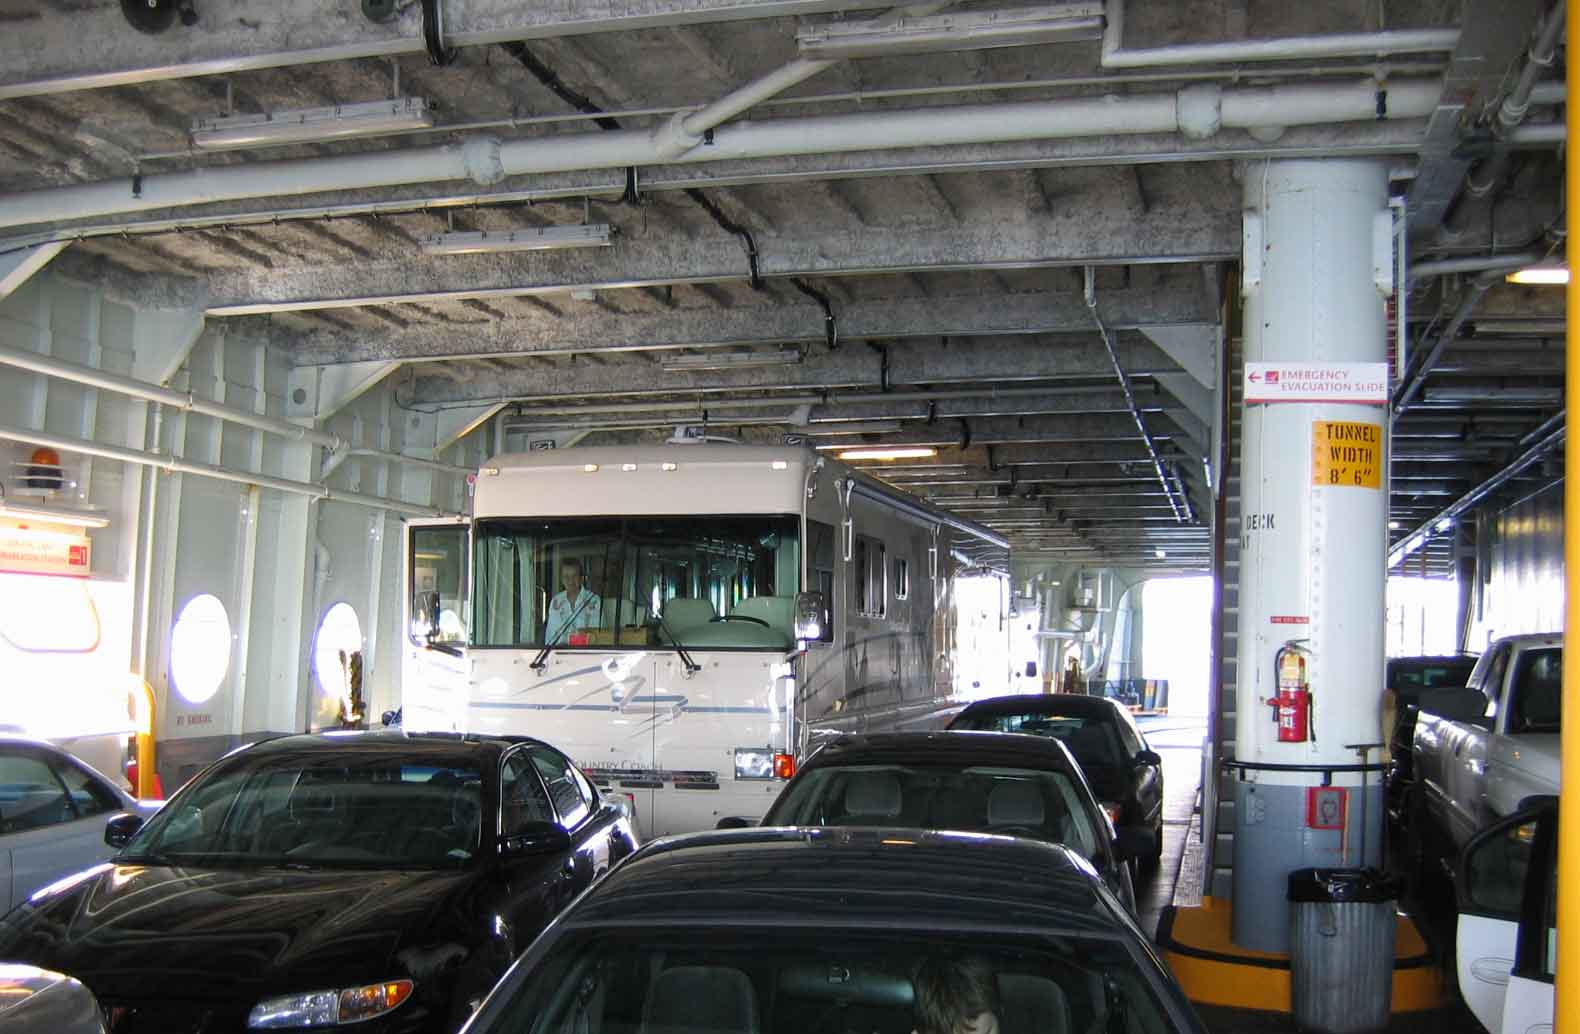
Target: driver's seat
pixel 1015 804
pixel 778 612
pixel 685 612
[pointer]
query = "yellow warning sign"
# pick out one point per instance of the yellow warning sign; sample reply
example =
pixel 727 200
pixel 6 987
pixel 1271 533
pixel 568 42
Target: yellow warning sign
pixel 1345 452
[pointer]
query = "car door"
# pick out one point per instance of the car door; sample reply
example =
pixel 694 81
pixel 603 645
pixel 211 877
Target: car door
pixel 52 815
pixel 535 884
pixel 578 810
pixel 1146 771
pixel 1504 963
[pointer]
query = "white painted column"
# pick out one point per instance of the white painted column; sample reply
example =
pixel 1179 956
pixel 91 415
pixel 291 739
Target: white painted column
pixel 1318 264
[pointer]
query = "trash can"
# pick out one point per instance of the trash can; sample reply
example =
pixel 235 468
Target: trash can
pixel 1343 925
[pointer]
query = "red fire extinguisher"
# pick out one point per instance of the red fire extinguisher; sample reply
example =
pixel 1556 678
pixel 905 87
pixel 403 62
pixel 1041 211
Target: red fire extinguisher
pixel 1292 705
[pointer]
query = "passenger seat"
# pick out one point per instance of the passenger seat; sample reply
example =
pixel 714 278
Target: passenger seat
pixel 871 799
pixel 685 612
pixel 1032 1005
pixel 693 999
pixel 1015 805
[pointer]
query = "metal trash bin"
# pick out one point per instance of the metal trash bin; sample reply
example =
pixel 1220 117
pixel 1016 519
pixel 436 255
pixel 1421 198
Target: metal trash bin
pixel 1343 926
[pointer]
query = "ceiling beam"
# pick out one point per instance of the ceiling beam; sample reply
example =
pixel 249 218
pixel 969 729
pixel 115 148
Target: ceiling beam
pixel 920 362
pixel 41 53
pixel 586 328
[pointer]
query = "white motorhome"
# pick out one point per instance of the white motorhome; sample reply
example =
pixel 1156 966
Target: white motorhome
pixel 686 620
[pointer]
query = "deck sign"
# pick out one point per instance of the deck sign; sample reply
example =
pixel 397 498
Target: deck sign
pixel 1346 453
pixel 1366 383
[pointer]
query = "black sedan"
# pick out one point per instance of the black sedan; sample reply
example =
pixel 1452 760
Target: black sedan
pixel 791 930
pixel 971 782
pixel 310 882
pixel 1125 774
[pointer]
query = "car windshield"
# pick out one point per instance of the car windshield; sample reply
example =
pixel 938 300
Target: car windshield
pixel 1017 801
pixel 322 809
pixel 1094 740
pixel 699 980
pixel 1407 675
pixel 716 582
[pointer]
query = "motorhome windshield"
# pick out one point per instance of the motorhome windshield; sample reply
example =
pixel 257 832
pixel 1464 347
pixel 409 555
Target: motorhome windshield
pixel 719 582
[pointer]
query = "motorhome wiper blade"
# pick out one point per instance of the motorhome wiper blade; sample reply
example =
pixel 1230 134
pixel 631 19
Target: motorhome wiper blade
pixel 449 649
pixel 692 667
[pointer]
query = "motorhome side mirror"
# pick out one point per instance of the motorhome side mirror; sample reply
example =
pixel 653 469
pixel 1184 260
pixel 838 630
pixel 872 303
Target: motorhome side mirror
pixel 811 615
pixel 118 832
pixel 535 838
pixel 425 615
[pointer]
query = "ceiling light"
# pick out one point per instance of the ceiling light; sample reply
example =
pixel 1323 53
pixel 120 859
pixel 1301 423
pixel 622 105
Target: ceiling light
pixel 1536 325
pixel 1394 526
pixel 1445 524
pixel 1539 275
pixel 1160 554
pixel 545 238
pixel 54 515
pixel 312 125
pixel 897 452
pixel 729 360
pixel 1013 27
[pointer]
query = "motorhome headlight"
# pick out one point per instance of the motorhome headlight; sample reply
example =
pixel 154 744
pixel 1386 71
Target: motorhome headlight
pixel 754 763
pixel 329 1008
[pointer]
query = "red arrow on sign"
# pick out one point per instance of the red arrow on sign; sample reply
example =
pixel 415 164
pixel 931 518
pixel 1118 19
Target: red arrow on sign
pixel 1254 378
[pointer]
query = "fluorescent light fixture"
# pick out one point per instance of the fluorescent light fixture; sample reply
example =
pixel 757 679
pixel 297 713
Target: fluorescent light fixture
pixel 1444 524
pixel 312 125
pixel 1395 526
pixel 590 468
pixel 53 515
pixel 1539 275
pixel 544 238
pixel 1010 27
pixel 668 466
pixel 1160 554
pixel 730 360
pixel 628 467
pixel 893 452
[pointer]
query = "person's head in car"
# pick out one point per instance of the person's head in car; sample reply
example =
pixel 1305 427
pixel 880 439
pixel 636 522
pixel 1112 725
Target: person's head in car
pixel 956 996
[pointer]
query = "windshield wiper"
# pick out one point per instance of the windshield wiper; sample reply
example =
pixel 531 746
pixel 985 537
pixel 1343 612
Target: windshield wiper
pixel 449 649
pixel 542 659
pixel 692 667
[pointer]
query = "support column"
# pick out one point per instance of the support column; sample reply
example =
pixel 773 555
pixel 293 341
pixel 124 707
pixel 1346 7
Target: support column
pixel 1313 556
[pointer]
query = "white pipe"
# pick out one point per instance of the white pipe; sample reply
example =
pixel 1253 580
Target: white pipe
pixel 172 465
pixel 182 400
pixel 489 160
pixel 1538 134
pixel 379 454
pixel 1473 264
pixel 1290 48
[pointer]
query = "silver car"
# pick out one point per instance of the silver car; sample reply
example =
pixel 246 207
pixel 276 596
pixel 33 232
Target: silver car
pixel 53 808
pixel 38 1001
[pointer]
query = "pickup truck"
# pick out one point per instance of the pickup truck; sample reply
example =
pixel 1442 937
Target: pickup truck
pixel 1481 752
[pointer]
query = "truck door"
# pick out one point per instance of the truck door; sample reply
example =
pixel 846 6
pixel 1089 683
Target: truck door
pixel 435 619
pixel 1506 895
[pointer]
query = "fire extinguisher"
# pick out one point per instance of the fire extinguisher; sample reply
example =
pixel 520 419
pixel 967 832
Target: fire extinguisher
pixel 1292 705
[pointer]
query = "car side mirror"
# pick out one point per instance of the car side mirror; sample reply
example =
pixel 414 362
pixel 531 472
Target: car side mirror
pixel 811 616
pixel 535 838
pixel 733 822
pixel 1134 842
pixel 118 832
pixel 1148 757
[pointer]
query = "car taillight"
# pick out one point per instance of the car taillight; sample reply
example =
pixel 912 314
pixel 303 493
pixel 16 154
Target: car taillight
pixel 1113 809
pixel 784 766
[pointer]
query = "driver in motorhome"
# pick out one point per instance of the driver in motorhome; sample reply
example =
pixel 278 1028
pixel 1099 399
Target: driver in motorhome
pixel 573 608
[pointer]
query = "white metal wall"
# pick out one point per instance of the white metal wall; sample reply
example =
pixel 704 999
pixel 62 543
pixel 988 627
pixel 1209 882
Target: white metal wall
pixel 277 560
pixel 1519 569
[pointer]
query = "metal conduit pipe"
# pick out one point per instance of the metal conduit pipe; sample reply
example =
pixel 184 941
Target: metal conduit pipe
pixel 413 461
pixel 1486 176
pixel 172 465
pixel 1473 264
pixel 76 373
pixel 826 398
pixel 1543 134
pixel 1124 385
pixel 1349 44
pixel 1197 111
pixel 1467 305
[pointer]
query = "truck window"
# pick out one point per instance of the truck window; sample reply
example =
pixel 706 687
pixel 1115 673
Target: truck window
pixel 1536 692
pixel 1493 686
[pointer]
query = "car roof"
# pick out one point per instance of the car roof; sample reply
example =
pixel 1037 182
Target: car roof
pixel 853 875
pixel 1073 704
pixel 381 741
pixel 958 747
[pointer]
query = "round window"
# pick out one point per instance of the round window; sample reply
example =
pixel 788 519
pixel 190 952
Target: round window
pixel 200 648
pixel 339 638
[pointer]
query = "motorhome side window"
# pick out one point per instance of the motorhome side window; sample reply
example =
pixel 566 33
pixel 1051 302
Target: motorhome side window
pixel 902 579
pixel 438 575
pixel 718 582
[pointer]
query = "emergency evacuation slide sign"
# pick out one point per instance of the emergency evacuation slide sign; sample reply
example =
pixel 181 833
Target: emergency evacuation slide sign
pixel 1366 383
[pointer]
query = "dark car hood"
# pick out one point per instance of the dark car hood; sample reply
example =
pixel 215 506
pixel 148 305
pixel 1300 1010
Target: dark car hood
pixel 132 931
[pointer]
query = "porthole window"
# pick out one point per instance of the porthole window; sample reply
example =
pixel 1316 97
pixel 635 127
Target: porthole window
pixel 200 648
pixel 337 650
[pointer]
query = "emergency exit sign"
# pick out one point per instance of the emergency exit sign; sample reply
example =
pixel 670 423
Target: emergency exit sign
pixel 1365 383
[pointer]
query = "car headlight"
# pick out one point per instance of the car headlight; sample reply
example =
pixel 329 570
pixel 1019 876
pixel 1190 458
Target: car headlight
pixel 329 1008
